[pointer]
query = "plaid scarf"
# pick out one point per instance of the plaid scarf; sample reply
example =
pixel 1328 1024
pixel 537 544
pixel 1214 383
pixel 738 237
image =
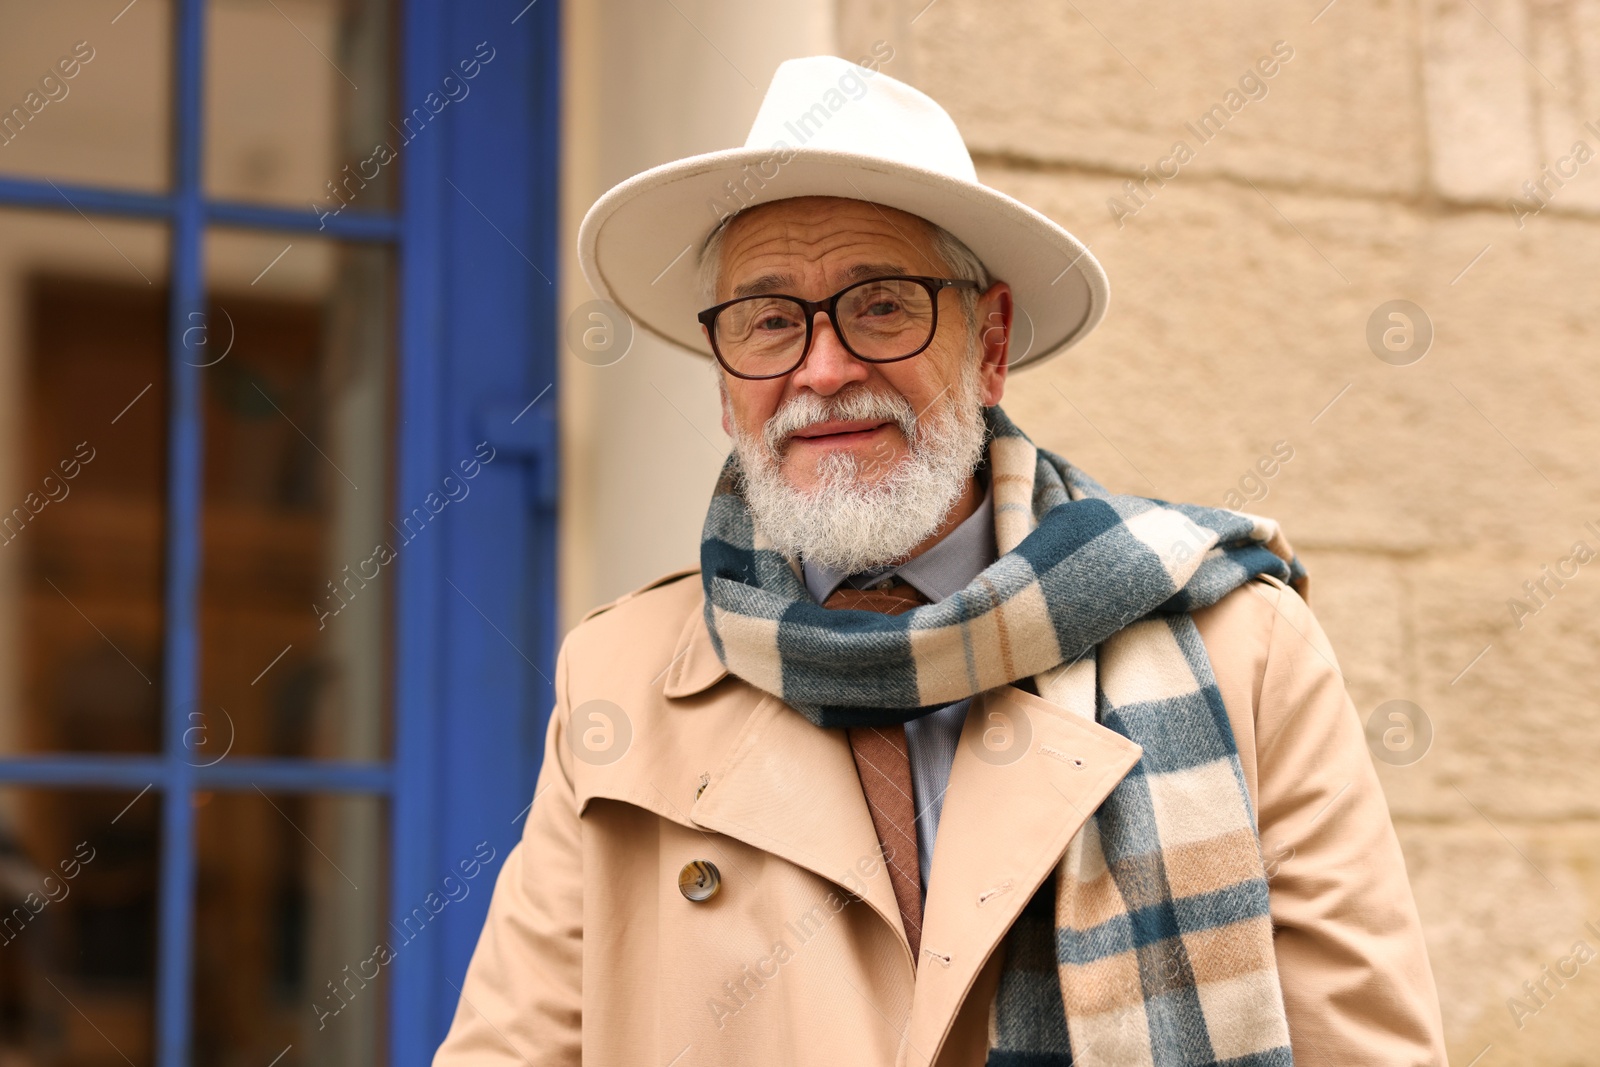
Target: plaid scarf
pixel 1155 925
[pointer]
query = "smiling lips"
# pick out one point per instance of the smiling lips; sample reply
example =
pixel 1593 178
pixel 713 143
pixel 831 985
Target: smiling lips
pixel 838 432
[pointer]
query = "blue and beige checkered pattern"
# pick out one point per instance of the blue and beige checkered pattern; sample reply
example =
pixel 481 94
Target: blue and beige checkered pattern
pixel 1160 942
pixel 1163 941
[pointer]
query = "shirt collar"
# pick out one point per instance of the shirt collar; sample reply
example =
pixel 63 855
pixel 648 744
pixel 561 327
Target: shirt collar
pixel 943 570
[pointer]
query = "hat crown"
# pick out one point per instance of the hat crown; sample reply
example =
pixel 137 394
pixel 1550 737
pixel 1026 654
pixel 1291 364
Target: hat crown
pixel 830 104
pixel 831 128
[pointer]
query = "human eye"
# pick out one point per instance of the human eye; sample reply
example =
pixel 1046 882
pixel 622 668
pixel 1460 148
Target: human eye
pixel 879 298
pixel 772 316
pixel 879 301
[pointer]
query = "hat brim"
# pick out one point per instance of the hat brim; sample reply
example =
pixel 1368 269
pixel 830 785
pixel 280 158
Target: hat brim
pixel 639 244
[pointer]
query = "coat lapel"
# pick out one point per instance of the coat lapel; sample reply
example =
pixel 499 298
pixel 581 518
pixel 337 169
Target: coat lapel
pixel 790 788
pixel 1027 775
pixel 787 787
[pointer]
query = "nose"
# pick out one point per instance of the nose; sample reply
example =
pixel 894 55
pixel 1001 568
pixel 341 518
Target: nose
pixel 829 366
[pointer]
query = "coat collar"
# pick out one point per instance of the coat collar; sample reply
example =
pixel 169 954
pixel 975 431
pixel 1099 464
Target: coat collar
pixel 790 788
pixel 695 665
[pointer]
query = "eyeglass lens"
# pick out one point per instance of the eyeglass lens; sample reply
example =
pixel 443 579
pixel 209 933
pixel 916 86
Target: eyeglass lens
pixel 882 319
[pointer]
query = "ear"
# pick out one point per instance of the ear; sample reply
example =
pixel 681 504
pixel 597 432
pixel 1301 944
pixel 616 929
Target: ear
pixel 994 340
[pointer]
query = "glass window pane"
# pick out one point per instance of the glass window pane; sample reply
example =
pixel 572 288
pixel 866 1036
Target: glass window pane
pixel 296 92
pixel 83 321
pixel 294 597
pixel 291 911
pixel 86 92
pixel 78 891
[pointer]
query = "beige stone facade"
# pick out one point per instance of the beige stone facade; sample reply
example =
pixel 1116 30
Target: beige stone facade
pixel 1443 152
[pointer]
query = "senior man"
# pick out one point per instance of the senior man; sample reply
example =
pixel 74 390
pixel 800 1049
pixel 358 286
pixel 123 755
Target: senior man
pixel 945 755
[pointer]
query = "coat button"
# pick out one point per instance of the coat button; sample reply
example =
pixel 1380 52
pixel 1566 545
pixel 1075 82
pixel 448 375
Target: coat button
pixel 699 880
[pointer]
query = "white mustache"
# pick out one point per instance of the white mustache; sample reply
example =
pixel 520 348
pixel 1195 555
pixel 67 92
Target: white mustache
pixel 862 405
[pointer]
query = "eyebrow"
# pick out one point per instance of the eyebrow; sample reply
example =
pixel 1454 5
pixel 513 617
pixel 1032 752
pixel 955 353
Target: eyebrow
pixel 771 283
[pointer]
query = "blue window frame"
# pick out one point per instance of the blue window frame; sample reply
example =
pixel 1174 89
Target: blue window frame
pixel 473 623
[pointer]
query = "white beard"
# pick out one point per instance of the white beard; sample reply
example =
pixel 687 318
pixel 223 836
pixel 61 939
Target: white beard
pixel 847 523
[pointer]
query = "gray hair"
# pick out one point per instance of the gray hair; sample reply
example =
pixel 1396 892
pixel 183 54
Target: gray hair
pixel 964 264
pixel 960 262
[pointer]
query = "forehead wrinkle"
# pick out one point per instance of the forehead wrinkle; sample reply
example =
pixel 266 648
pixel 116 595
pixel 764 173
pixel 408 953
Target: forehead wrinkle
pixel 832 259
pixel 926 226
pixel 819 238
pixel 776 281
pixel 838 242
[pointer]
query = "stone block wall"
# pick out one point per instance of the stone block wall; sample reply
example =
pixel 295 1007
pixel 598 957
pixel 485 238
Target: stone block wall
pixel 1441 152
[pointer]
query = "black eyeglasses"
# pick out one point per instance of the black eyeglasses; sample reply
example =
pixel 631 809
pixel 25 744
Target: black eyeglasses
pixel 880 320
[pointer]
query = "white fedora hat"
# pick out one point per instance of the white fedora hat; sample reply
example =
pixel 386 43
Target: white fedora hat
pixel 828 127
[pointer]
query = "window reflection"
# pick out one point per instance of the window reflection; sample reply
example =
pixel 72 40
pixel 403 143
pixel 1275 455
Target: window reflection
pixel 78 877
pixel 292 893
pixel 296 91
pixel 296 380
pixel 85 92
pixel 82 480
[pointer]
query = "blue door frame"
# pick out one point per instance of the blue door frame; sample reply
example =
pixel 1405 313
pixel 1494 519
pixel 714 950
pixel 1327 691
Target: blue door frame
pixel 474 623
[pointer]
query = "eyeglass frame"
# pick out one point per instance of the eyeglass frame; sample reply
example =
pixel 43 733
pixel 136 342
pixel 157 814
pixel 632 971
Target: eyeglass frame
pixel 828 305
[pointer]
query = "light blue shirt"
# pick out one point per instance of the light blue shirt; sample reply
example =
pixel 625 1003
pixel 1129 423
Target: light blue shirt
pixel 941 571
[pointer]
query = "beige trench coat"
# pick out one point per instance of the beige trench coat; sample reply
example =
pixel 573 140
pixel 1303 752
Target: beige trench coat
pixel 591 953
